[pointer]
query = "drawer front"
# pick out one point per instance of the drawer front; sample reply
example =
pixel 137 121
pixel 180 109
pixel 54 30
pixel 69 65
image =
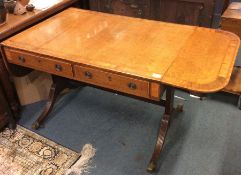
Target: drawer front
pixel 39 63
pixel 112 81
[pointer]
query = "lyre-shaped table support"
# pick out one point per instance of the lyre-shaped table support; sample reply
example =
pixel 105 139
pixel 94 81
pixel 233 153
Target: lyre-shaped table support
pixel 59 84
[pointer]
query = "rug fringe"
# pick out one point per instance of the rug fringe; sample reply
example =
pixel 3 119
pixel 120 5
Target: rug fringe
pixel 81 165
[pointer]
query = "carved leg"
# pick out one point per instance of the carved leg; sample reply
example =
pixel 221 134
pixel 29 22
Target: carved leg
pixel 59 84
pixel 164 125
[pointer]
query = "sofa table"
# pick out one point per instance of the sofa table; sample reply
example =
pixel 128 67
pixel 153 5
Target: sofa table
pixel 119 54
pixel 14 24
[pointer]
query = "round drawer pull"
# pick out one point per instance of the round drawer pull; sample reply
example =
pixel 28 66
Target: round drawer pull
pixel 88 74
pixel 132 86
pixel 21 59
pixel 58 68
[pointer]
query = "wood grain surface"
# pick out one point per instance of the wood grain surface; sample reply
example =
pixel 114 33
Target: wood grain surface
pixel 233 11
pixel 43 9
pixel 193 58
pixel 113 81
pixel 49 65
pixel 231 19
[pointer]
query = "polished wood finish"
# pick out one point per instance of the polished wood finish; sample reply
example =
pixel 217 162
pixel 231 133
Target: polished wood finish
pixel 38 62
pixel 120 54
pixel 155 90
pixel 191 12
pixel 43 9
pixel 164 125
pixel 16 23
pixel 169 55
pixel 231 21
pixel 112 81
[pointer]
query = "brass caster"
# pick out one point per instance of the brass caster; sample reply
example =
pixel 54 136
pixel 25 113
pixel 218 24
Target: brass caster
pixel 151 167
pixel 179 108
pixel 35 125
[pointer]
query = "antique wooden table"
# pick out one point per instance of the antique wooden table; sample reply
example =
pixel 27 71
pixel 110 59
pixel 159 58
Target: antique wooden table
pixel 121 54
pixel 16 23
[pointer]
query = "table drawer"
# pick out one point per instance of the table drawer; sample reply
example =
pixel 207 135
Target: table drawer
pixel 112 81
pixel 39 63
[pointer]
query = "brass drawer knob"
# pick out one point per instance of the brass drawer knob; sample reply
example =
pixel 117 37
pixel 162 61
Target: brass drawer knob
pixel 88 74
pixel 21 59
pixel 58 68
pixel 132 86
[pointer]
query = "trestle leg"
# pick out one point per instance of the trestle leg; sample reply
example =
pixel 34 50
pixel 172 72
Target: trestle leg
pixel 59 84
pixel 164 125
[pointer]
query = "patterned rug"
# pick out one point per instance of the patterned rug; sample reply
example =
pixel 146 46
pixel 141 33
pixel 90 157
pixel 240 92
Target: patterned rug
pixel 23 152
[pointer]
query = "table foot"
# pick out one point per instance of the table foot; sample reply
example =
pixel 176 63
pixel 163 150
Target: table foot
pixel 35 125
pixel 151 167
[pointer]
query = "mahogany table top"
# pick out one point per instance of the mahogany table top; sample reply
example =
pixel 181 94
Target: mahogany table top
pixel 193 58
pixel 43 8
